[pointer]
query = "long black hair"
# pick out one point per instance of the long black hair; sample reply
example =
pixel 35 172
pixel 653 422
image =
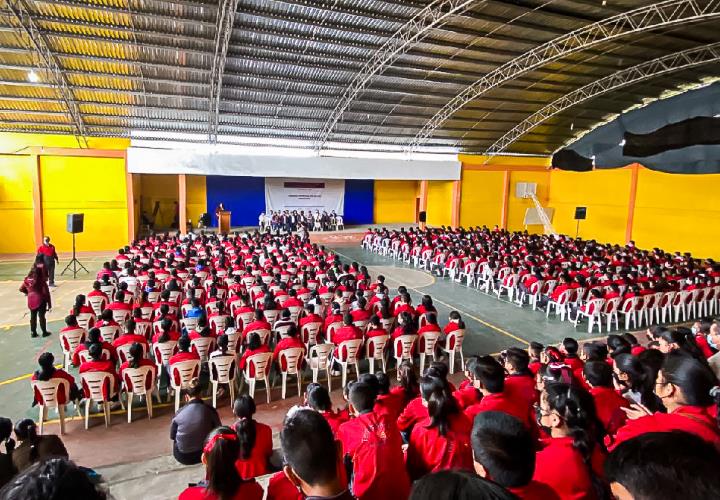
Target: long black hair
pixel 222 476
pixel 408 380
pixel 440 403
pixel 244 409
pixel 696 380
pixel 47 366
pixel 136 355
pixel 640 379
pixel 26 430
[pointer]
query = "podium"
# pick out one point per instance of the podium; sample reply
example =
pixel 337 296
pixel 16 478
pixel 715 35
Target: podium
pixel 224 221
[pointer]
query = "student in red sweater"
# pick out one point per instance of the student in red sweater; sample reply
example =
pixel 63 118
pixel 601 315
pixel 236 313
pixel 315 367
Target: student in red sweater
pixel 254 346
pixel 489 379
pixel 570 349
pixel 97 364
pixel 223 481
pixel 317 397
pixel 368 440
pixel 570 456
pixel 312 458
pixel 408 386
pixel 136 360
pixel 441 441
pixel 184 354
pixel 94 337
pixel 255 440
pixel 347 332
pixel 466 394
pixel 259 323
pixel 609 404
pixel 48 372
pixel 684 384
pixel 519 382
pixel 390 403
pixel 291 341
pixel 129 337
pixel 504 452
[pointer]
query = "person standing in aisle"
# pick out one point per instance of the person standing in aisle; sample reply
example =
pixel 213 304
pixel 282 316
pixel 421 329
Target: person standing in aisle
pixel 38 300
pixel 50 257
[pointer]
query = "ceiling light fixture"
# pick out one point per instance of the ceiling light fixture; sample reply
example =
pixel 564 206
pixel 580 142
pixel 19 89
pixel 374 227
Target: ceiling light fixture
pixel 33 77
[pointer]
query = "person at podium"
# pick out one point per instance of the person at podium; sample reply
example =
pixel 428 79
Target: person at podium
pixel 220 208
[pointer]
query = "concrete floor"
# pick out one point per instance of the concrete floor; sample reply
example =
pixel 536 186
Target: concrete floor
pixel 134 458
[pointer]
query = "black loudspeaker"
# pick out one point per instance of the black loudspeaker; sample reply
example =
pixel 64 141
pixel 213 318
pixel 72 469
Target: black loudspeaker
pixel 422 216
pixel 580 213
pixel 75 223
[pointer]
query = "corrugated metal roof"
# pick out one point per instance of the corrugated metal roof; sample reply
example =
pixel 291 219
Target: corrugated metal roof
pixel 147 65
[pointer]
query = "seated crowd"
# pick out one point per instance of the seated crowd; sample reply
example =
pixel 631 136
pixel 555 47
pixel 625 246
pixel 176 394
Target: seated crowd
pixel 573 275
pixel 568 421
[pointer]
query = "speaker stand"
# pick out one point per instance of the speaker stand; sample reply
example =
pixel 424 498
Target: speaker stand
pixel 577 229
pixel 74 263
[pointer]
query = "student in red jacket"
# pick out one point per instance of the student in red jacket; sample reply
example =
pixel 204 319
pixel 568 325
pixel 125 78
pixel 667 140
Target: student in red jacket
pixel 255 440
pixel 38 300
pixel 684 385
pixel 368 440
pixel 48 372
pixel 441 441
pixel 609 404
pixel 223 480
pixel 568 459
pixel 519 381
pixel 466 394
pixel 254 346
pixel 184 354
pixel 504 452
pixel 291 341
pixel 489 379
pixel 129 337
pixel 259 323
pixel 388 402
pixel 312 458
pixel 136 360
pixel 570 349
pixel 97 364
pixel 317 397
pixel 94 337
pixel 347 332
pixel 408 386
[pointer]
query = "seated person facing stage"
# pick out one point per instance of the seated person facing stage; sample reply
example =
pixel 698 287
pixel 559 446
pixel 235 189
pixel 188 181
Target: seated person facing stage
pixel 191 425
pixel 35 448
pixel 255 440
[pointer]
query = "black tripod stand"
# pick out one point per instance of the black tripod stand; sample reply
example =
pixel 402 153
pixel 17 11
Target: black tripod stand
pixel 74 263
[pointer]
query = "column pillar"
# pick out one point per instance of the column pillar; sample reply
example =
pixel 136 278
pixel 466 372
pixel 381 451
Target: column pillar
pixel 129 188
pixel 634 168
pixel 456 200
pixel 182 203
pixel 423 200
pixel 505 200
pixel 37 200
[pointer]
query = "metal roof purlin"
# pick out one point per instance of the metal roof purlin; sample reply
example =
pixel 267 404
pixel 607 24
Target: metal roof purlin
pixel 415 29
pixel 28 27
pixel 650 69
pixel 225 22
pixel 658 15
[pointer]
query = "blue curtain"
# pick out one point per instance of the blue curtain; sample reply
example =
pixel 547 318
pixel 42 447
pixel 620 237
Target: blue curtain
pixel 243 196
pixel 359 201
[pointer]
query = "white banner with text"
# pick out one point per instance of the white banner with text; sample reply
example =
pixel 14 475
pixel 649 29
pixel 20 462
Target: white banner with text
pixel 304 194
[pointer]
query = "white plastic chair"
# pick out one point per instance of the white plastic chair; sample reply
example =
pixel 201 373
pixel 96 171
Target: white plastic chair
pixel 403 347
pixel 666 306
pixel 186 370
pixel 271 315
pixel 426 347
pixel 98 303
pixel 560 305
pixel 83 320
pixel 260 363
pixel 203 346
pixel 309 333
pixel 222 371
pixel 375 350
pixel 48 392
pixel 69 340
pixel 610 312
pixel 120 316
pixel 507 286
pixel 189 324
pixel 331 329
pixel 318 358
pixel 348 353
pixel 163 351
pixel 453 346
pixel 593 311
pixel 109 333
pixel 679 304
pixel 96 384
pixel 124 352
pixel 139 381
pixel 629 309
pixel 292 358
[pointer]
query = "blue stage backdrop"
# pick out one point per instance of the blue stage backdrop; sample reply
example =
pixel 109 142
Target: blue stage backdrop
pixel 359 201
pixel 243 196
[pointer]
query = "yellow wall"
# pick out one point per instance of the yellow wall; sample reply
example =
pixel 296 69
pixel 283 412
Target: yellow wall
pixel 93 186
pixel 678 212
pixel 16 204
pixel 439 203
pixel 605 193
pixel 13 143
pixel 395 202
pixel 196 197
pixel 162 189
pixel 481 198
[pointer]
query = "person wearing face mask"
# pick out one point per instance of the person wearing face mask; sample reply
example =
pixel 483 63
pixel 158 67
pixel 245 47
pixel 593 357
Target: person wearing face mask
pixel 713 340
pixel 689 391
pixel 701 330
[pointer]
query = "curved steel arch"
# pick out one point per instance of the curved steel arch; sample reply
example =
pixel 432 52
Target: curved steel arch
pixel 431 16
pixel 645 71
pixel 224 27
pixel 661 14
